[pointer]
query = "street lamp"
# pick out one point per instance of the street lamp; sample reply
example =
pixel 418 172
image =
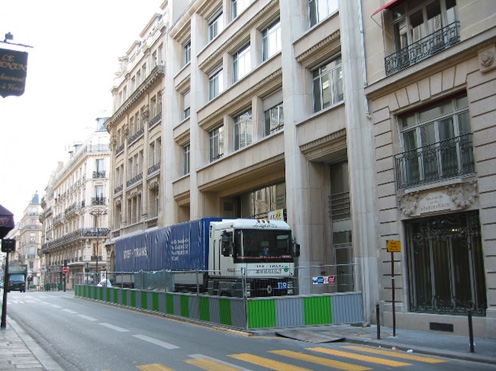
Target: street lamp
pixel 97 213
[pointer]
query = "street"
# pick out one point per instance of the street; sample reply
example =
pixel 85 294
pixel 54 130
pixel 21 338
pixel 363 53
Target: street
pixel 86 335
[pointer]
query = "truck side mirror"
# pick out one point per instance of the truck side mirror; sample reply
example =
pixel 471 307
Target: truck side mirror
pixel 297 250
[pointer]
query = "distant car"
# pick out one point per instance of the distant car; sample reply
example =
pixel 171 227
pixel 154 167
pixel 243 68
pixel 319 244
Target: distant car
pixel 104 283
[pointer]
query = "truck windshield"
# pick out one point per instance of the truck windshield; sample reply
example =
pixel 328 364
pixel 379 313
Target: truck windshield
pixel 16 278
pixel 255 245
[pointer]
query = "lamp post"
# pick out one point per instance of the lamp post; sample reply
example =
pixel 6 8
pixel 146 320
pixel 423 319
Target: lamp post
pixel 97 213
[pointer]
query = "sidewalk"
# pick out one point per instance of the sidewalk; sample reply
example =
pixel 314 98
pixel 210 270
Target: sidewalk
pixel 19 351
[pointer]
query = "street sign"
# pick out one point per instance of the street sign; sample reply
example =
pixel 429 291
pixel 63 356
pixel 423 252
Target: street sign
pixel 65 270
pixel 393 246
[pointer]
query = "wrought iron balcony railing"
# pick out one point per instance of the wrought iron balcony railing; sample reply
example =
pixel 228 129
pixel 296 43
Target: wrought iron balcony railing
pixel 99 174
pixel 436 162
pixel 425 47
pixel 98 200
pixel 134 179
pixel 155 120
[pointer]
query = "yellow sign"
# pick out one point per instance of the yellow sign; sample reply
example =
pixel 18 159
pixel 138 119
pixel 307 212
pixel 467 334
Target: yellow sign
pixel 393 246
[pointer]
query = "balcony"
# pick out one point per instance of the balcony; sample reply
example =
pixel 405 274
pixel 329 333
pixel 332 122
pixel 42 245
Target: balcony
pixel 155 120
pixel 98 174
pixel 98 200
pixel 134 179
pixel 436 162
pixel 154 168
pixel 424 48
pixel 136 135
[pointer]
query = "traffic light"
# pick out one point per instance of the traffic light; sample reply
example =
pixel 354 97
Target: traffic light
pixel 8 245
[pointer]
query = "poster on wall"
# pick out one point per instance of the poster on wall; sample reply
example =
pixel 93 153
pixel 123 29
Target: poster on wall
pixel 13 71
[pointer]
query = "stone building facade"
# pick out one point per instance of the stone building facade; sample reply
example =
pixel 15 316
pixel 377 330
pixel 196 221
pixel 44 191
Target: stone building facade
pixel 74 214
pixel 431 73
pixel 357 122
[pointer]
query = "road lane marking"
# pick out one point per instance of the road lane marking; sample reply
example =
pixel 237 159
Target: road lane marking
pixel 69 311
pixel 209 365
pixel 56 306
pixel 380 361
pixel 267 363
pixel 156 342
pixel 87 317
pixel 413 357
pixel 116 328
pixel 217 363
pixel 320 360
pixel 154 367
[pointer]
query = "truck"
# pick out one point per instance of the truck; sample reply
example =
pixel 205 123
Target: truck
pixel 17 277
pixel 230 257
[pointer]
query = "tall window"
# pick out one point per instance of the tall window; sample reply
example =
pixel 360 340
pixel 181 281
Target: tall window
pixel 241 63
pixel 186 151
pixel 100 168
pixel 187 53
pixel 186 104
pixel 215 25
pixel 237 6
pixel 243 130
pixel 274 119
pixel 216 139
pixel 411 22
pixel 436 142
pixel 327 85
pixel 215 83
pixel 319 9
pixel 271 40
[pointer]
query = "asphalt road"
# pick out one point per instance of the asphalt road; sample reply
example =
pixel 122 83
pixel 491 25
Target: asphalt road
pixel 86 335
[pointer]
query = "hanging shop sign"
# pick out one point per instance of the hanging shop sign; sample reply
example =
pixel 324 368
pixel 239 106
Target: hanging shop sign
pixel 13 70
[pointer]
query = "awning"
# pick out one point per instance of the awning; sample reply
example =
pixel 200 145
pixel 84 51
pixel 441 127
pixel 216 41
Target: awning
pixel 387 6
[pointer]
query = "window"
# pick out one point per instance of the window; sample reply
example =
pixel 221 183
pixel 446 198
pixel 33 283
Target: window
pixel 186 151
pixel 319 9
pixel 271 40
pixel 274 119
pixel 186 105
pixel 421 29
pixel 436 142
pixel 411 22
pixel 327 85
pixel 187 53
pixel 243 130
pixel 237 6
pixel 241 63
pixel 216 139
pixel 215 25
pixel 215 84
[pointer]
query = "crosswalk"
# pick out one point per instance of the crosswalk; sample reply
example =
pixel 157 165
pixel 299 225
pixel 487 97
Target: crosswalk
pixel 349 358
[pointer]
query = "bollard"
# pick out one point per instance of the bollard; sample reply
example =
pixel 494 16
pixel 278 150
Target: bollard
pixel 378 321
pixel 470 331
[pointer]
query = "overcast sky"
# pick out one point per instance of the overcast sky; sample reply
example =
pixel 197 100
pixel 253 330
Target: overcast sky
pixel 71 68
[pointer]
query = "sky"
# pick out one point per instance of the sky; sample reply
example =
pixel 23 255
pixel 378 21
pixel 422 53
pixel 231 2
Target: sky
pixel 71 70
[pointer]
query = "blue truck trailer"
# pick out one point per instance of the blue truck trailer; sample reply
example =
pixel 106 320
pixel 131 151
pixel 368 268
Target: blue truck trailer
pixel 17 277
pixel 234 257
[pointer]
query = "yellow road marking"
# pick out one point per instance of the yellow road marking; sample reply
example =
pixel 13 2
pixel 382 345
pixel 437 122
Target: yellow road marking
pixel 380 361
pixel 413 357
pixel 320 361
pixel 210 365
pixel 267 363
pixel 154 367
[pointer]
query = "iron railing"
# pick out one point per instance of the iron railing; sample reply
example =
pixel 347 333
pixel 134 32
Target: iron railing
pixel 450 158
pixel 425 47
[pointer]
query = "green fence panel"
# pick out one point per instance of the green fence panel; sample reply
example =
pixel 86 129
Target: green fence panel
pixel 109 294
pixel 155 303
pixel 261 313
pixel 184 306
pixel 225 311
pixel 133 299
pixel 116 296
pixel 317 310
pixel 144 300
pixel 124 297
pixel 204 309
pixel 169 300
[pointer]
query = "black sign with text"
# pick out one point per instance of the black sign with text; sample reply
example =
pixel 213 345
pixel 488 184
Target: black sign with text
pixel 13 70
